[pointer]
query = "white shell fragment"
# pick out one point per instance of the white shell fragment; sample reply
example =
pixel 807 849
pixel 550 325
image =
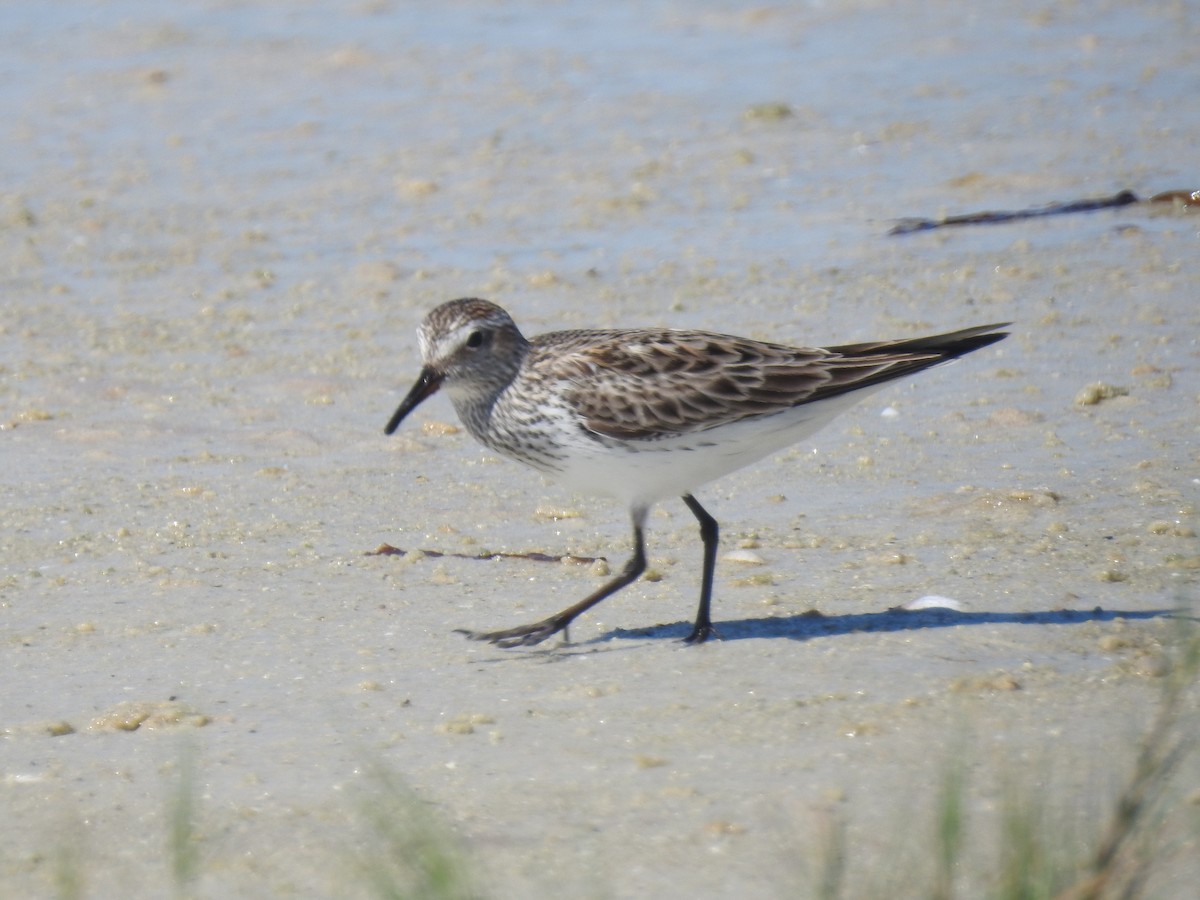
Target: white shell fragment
pixel 745 557
pixel 932 601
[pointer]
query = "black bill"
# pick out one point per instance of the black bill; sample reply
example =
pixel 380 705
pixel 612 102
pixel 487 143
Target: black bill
pixel 427 384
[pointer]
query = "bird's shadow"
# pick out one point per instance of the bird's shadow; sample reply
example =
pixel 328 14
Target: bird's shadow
pixel 807 625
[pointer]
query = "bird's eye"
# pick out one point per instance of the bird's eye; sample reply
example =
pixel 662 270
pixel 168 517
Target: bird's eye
pixel 475 340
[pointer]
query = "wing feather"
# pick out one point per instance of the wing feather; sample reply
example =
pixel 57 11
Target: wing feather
pixel 647 385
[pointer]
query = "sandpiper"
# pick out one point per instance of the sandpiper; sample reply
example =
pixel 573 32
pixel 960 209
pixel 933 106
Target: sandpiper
pixel 647 413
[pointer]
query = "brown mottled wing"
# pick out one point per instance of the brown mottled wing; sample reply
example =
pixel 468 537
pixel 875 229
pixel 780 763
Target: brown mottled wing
pixel 645 385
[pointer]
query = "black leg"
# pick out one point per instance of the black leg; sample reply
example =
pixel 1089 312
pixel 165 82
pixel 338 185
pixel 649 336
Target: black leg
pixel 709 534
pixel 527 635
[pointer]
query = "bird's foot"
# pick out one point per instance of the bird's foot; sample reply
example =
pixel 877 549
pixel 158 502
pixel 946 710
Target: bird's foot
pixel 701 632
pixel 522 635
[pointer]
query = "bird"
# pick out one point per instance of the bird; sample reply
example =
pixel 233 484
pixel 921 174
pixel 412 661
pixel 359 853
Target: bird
pixel 646 414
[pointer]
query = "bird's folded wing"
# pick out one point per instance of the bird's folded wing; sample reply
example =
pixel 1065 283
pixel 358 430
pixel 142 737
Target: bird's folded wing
pixel 680 382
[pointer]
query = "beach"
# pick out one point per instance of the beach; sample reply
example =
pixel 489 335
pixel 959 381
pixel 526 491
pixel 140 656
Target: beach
pixel 225 221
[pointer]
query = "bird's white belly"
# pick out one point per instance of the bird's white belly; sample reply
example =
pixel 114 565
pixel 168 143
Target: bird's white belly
pixel 642 472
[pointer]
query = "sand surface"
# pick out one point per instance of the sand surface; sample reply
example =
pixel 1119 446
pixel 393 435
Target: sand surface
pixel 222 223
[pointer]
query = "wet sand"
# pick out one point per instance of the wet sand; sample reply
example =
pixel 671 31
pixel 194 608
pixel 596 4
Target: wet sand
pixel 223 223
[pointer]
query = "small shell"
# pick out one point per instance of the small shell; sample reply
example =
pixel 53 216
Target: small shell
pixel 932 601
pixel 745 557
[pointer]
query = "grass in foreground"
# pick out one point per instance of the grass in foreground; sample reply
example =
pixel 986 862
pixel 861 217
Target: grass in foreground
pixel 183 841
pixel 1033 859
pixel 405 851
